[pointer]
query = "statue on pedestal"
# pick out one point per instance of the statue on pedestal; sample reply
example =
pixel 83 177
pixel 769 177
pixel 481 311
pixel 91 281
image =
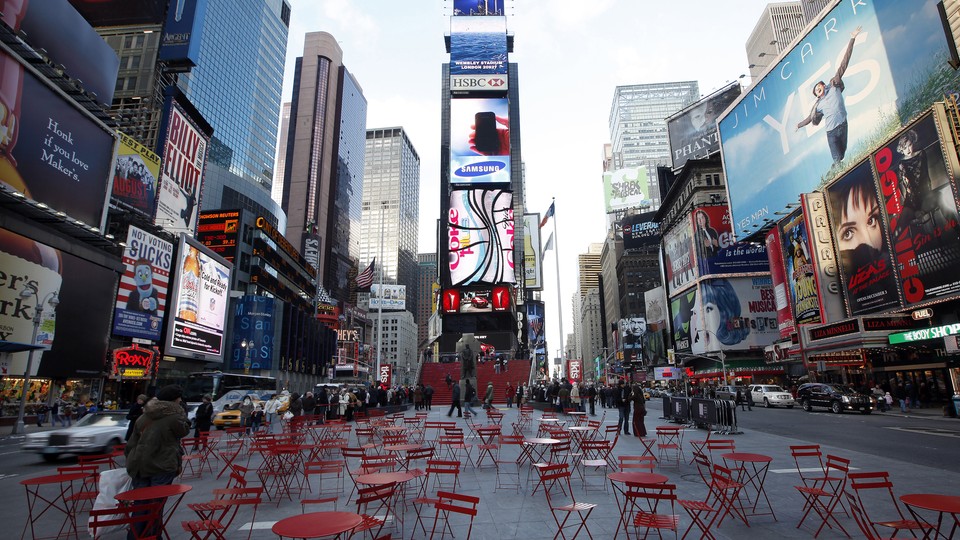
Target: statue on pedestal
pixel 467 348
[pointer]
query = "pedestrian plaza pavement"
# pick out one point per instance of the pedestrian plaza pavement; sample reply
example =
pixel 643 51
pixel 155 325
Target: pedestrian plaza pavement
pixel 520 513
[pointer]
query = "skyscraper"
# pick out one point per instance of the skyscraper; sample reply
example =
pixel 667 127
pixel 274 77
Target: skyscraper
pixel 391 198
pixel 426 304
pixel 779 24
pixel 323 176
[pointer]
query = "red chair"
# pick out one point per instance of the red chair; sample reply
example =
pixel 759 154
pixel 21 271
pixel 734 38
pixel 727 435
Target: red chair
pixel 332 470
pixel 726 492
pixel 879 483
pixel 646 463
pixel 379 499
pixel 861 519
pixel 503 462
pixel 489 444
pixel 143 520
pixel 454 503
pixel 824 497
pixel 642 508
pixel 216 516
pixel 595 454
pixel 807 457
pixel 670 444
pixel 560 474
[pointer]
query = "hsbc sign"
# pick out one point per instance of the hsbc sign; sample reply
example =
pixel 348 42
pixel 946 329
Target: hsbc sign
pixel 478 83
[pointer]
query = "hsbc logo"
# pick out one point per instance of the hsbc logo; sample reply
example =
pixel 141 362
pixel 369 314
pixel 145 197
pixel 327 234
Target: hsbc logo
pixel 490 83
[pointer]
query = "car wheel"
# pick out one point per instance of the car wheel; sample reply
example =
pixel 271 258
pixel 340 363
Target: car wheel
pixel 806 405
pixel 766 403
pixel 111 445
pixel 51 458
pixel 836 408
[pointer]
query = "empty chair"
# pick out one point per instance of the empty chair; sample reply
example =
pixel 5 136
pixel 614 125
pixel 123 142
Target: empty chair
pixel 826 495
pixel 650 506
pixel 637 463
pixel 375 505
pixel 568 508
pixel 454 503
pixel 878 483
pixel 142 520
pixel 669 444
pixel 508 466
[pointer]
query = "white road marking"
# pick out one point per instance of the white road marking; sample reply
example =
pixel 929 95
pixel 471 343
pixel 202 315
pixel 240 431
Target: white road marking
pixel 952 434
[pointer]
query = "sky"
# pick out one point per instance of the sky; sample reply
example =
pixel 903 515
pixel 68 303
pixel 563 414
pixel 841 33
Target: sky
pixel 571 57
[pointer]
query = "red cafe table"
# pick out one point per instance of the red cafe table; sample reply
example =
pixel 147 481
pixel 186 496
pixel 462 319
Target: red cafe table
pixel 754 477
pixel 621 477
pixel 160 494
pixel 38 504
pixel 379 479
pixel 317 525
pixel 942 504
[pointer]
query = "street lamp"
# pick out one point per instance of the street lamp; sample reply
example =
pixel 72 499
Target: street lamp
pixel 247 350
pixel 51 299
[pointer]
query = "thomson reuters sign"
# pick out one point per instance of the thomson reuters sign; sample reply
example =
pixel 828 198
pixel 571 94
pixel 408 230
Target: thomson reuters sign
pixel 478 83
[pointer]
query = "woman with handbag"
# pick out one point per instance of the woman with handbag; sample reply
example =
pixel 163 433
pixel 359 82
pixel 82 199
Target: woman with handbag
pixel 639 411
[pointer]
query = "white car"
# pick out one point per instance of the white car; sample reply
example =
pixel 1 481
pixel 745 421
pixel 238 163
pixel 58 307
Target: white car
pixel 95 433
pixel 770 395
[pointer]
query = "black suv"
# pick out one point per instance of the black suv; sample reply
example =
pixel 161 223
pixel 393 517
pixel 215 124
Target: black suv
pixel 835 397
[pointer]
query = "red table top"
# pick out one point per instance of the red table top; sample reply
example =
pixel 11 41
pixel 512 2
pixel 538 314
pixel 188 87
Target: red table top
pixel 639 477
pixel 316 524
pixel 384 478
pixel 747 457
pixel 540 440
pixel 403 447
pixel 582 428
pixel 153 492
pixel 949 504
pixel 53 479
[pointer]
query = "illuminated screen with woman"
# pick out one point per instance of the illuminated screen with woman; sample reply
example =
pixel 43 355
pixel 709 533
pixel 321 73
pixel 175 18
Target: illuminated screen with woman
pixel 716 319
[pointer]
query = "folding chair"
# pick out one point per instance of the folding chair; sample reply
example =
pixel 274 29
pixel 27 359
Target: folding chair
pixel 699 445
pixel 824 498
pixel 546 475
pixel 231 451
pixel 219 514
pixel 366 437
pixel 642 508
pixel 489 443
pixel 502 462
pixel 194 456
pixel 415 428
pixel 83 498
pixel 436 470
pixel 582 510
pixel 809 461
pixel 329 469
pixel 645 463
pixel 448 504
pixel 453 445
pixel 861 519
pixel 142 520
pixel 380 500
pixel 726 492
pixel 595 455
pixel 717 447
pixel 879 483
pixel 670 444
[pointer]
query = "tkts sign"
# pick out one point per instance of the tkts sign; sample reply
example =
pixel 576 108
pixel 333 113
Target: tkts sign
pixel 386 370
pixel 574 370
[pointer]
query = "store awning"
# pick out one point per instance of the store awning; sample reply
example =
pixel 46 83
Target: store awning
pixel 14 347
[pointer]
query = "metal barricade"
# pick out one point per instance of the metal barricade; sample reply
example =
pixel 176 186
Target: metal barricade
pixel 679 410
pixel 726 417
pixel 703 413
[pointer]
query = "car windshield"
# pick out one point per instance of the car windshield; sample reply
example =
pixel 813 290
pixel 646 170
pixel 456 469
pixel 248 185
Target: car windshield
pixel 102 420
pixel 841 389
pixel 771 389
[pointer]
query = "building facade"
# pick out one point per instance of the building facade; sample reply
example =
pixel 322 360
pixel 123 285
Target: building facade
pixel 427 289
pixel 779 24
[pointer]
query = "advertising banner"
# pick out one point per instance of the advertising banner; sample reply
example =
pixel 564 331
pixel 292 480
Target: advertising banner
pixel 479 141
pixel 632 331
pixel 799 272
pixel 680 264
pixel 850 81
pixel 693 131
pixel 180 40
pixel 181 174
pixel 626 188
pixel 681 312
pixel 667 374
pixel 866 266
pixel 532 269
pixel 640 230
pixel 219 231
pixel 717 253
pixel 478 7
pixel 134 363
pixel 778 278
pixel 920 204
pixel 478 46
pixel 575 370
pixel 253 322
pixel 825 264
pixel 536 331
pixel 392 297
pixel 734 314
pixel 655 301
pixel 142 296
pixel 201 298
pixel 480 237
pixel 386 374
pixel 86 292
pixel 50 151
pixel 56 27
pixel 135 176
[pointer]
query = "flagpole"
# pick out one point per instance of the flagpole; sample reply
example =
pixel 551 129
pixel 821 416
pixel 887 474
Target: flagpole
pixel 556 258
pixel 380 303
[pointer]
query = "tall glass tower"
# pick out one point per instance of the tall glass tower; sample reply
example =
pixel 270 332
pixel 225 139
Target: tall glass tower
pixel 237 83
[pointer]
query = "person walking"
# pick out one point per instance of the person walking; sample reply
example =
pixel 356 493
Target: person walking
pixel 621 399
pixel 639 411
pixel 455 401
pixel 417 398
pixel 270 410
pixel 520 391
pixel 469 394
pixel 510 393
pixel 204 417
pixel 488 396
pixel 748 397
pixel 592 398
pixel 55 413
pixel 135 412
pixel 153 452
pixel 256 418
pixel 428 397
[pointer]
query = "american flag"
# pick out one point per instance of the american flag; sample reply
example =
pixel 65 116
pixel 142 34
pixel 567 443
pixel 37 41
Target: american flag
pixel 365 278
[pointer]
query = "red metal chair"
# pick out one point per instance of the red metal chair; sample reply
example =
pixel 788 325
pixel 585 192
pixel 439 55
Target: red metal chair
pixel 595 454
pixel 561 474
pixel 642 508
pixel 436 470
pixel 646 463
pixel 861 519
pixel 217 515
pixel 332 470
pixel 824 498
pixel 143 520
pixel 726 493
pixel 379 499
pixel 880 485
pixel 670 444
pixel 489 444
pixel 503 462
pixel 453 503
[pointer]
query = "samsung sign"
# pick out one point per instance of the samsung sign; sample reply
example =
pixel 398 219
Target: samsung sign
pixel 478 83
pixel 936 332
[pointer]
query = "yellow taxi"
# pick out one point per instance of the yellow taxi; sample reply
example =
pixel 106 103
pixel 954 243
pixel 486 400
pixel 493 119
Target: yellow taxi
pixel 231 416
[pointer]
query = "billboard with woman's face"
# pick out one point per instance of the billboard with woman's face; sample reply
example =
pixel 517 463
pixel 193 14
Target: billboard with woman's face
pixel 733 314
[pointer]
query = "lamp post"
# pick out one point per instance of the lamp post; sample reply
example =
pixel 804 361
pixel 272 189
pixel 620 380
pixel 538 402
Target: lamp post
pixel 247 349
pixel 51 299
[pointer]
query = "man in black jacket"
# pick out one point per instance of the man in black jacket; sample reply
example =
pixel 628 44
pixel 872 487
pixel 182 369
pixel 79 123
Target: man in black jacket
pixel 621 400
pixel 309 404
pixel 428 397
pixel 455 401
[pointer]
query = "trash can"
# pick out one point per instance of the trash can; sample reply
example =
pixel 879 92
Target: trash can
pixel 956 405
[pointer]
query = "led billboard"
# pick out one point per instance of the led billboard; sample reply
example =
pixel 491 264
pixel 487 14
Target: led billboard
pixel 919 201
pixel 640 230
pixel 866 266
pixel 536 331
pixel 478 7
pixel 478 46
pixel 479 141
pixel 480 237
pixel 477 300
pixel 392 296
pixel 253 323
pixel 135 175
pixel 219 231
pixel 532 269
pixel 200 299
pixel 778 277
pixel 50 151
pixel 180 40
pixel 73 333
pixel 852 80
pixel 717 253
pixel 626 188
pixel 142 296
pixel 181 175
pixel 681 264
pixel 693 131
pixel 733 314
